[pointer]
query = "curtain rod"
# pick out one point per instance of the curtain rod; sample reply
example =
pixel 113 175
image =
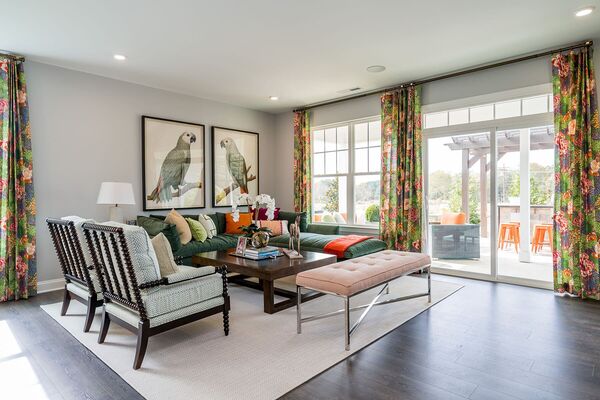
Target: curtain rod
pixel 11 56
pixel 496 64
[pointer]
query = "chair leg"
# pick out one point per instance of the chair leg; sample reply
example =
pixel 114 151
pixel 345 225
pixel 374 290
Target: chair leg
pixel 104 326
pixel 142 343
pixel 347 323
pixel 226 318
pixel 66 302
pixel 91 312
pixel 298 309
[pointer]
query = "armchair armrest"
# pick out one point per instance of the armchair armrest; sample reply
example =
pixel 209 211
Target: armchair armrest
pixel 185 273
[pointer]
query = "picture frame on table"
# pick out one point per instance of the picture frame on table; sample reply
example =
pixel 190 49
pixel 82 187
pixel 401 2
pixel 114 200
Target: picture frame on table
pixel 173 164
pixel 242 243
pixel 235 164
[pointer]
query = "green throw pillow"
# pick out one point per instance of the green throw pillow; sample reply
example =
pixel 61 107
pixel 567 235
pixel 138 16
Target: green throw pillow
pixel 155 226
pixel 198 231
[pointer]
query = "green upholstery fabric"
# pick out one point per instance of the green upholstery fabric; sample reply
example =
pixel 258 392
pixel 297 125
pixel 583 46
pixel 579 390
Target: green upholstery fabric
pixel 162 217
pixel 316 242
pixel 174 297
pixel 291 218
pixel 156 225
pixel 219 242
pixel 323 229
pixel 219 220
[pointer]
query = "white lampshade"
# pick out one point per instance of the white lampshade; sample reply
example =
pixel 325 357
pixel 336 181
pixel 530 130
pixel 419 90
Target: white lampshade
pixel 116 193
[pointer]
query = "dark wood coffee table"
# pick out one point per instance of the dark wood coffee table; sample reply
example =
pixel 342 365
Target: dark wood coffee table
pixel 267 271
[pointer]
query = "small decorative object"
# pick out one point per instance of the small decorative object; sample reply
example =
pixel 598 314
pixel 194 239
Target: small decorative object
pixel 294 241
pixel 116 193
pixel 172 164
pixel 259 236
pixel 260 239
pixel 234 165
pixel 241 245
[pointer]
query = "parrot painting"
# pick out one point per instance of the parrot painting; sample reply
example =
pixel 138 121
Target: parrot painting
pixel 174 168
pixel 236 164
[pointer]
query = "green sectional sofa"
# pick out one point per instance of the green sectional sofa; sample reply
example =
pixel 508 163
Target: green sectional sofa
pixel 312 237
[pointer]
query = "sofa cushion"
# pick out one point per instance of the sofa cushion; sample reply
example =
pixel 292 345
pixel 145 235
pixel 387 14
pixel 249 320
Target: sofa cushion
pixel 208 224
pixel 291 218
pixel 219 220
pixel 185 234
pixel 216 243
pixel 277 227
pixel 235 227
pixel 156 225
pixel 198 231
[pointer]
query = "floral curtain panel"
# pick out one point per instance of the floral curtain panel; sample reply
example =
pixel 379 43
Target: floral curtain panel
pixel 577 172
pixel 302 154
pixel 401 215
pixel 18 275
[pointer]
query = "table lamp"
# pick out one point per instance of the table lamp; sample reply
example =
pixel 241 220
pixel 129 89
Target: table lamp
pixel 116 193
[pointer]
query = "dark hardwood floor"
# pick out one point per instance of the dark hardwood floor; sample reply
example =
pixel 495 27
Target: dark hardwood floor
pixel 488 341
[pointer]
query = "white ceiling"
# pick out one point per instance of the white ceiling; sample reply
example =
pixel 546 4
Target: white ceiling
pixel 303 51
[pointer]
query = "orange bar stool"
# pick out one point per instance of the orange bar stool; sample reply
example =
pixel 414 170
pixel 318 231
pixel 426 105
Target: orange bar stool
pixel 539 237
pixel 509 234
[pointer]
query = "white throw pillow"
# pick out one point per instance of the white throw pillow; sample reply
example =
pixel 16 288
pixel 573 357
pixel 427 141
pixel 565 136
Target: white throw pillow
pixel 208 224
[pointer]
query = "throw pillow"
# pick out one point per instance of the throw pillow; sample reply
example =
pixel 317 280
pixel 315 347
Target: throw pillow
pixel 198 231
pixel 234 227
pixel 155 226
pixel 208 224
pixel 262 213
pixel 162 248
pixel 291 217
pixel 277 227
pixel 185 234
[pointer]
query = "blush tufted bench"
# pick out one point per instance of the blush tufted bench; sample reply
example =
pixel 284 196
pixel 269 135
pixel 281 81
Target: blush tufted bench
pixel 354 276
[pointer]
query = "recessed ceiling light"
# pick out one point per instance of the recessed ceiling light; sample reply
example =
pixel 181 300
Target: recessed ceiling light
pixel 274 98
pixel 376 68
pixel 585 11
pixel 119 57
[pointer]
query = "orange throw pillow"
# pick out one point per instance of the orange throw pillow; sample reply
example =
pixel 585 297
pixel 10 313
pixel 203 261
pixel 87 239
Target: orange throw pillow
pixel 234 227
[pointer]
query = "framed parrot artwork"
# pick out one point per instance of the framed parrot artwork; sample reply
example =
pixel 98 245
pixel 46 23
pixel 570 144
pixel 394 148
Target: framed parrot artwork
pixel 173 164
pixel 234 165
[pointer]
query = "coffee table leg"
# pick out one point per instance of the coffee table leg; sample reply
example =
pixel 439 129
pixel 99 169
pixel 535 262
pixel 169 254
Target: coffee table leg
pixel 268 296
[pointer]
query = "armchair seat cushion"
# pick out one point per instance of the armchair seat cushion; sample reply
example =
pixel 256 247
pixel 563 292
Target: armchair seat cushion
pixel 177 296
pixel 82 291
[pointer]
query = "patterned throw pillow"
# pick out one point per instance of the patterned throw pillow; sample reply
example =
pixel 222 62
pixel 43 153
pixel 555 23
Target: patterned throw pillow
pixel 162 248
pixel 277 227
pixel 233 227
pixel 208 224
pixel 198 231
pixel 185 234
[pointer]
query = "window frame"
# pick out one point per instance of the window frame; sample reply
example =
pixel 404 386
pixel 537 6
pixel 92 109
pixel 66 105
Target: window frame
pixel 349 175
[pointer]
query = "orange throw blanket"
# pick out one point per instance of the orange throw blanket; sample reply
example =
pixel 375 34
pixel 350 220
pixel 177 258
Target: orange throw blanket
pixel 339 246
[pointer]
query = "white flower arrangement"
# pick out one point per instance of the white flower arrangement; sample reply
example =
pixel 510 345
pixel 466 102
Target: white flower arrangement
pixel 260 200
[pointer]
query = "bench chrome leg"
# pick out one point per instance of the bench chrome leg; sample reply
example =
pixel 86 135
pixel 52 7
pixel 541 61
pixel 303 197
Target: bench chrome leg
pixel 347 322
pixel 429 283
pixel 298 311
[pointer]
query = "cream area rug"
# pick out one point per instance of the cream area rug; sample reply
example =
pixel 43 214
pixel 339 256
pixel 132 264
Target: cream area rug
pixel 262 358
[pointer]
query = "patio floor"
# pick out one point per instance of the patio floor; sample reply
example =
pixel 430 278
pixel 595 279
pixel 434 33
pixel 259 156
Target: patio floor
pixel 539 269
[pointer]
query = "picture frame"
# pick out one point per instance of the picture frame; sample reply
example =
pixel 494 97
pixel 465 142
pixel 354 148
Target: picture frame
pixel 242 243
pixel 173 164
pixel 242 147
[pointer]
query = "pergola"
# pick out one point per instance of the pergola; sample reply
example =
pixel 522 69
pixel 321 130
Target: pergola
pixel 476 147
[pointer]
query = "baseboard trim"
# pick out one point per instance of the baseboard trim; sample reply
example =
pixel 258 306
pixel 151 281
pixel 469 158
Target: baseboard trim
pixel 51 285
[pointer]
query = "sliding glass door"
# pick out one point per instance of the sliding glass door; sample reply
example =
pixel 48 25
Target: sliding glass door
pixel 489 202
pixel 458 202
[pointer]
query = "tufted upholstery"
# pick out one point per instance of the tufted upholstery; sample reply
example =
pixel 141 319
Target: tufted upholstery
pixel 355 275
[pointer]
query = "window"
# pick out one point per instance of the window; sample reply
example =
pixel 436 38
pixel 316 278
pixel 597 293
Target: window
pixel 346 167
pixel 488 112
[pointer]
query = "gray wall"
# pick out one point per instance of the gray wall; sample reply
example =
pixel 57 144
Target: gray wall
pixel 530 73
pixel 87 129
